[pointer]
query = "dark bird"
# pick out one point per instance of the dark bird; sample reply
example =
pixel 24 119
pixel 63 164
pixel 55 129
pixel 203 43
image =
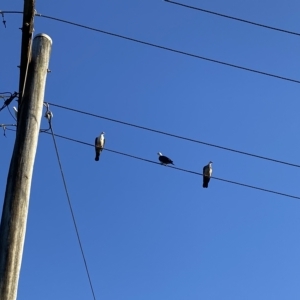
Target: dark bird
pixel 207 172
pixel 164 159
pixel 99 145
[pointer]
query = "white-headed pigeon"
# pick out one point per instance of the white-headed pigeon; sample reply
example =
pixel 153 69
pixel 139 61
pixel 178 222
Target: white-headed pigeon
pixel 164 159
pixel 207 172
pixel 99 145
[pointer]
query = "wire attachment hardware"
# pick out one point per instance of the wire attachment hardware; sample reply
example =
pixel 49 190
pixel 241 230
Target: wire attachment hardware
pixel 48 115
pixel 36 13
pixel 9 100
pixel 4 127
pixel 3 20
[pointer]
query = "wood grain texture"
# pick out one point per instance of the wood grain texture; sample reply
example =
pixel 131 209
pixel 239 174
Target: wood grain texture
pixel 16 201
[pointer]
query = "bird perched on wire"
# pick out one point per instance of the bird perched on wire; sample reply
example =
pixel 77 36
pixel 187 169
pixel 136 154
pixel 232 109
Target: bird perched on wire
pixel 164 159
pixel 207 172
pixel 99 145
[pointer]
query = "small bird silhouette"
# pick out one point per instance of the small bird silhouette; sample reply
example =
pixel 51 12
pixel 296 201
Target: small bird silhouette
pixel 99 145
pixel 164 159
pixel 207 172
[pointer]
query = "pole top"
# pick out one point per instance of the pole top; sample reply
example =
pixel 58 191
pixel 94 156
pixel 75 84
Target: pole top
pixel 45 36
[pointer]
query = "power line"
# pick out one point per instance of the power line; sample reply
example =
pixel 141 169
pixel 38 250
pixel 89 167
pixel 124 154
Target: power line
pixel 233 18
pixel 180 169
pixel 166 48
pixel 176 168
pixel 9 100
pixel 177 136
pixel 169 49
pixel 11 113
pixel 11 12
pixel 70 206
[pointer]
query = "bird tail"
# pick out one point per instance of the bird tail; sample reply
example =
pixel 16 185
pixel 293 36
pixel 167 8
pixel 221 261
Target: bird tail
pixel 205 181
pixel 97 157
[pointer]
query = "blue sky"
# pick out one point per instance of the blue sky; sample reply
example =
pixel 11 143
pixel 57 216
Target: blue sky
pixel 150 232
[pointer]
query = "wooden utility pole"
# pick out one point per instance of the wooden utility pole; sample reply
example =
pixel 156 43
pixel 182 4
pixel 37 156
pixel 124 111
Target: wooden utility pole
pixel 27 32
pixel 16 201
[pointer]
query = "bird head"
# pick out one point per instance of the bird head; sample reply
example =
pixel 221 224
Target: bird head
pixel 102 132
pixel 159 154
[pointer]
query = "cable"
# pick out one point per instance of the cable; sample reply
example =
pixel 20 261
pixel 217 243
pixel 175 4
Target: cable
pixel 11 113
pixel 206 11
pixel 70 206
pixel 165 48
pixel 3 20
pixel 168 49
pixel 180 169
pixel 176 168
pixel 26 72
pixel 4 127
pixel 233 18
pixel 177 136
pixel 9 100
pixel 11 12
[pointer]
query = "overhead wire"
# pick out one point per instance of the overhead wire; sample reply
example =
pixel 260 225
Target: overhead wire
pixel 70 206
pixel 5 127
pixel 233 18
pixel 9 100
pixel 11 12
pixel 169 49
pixel 26 72
pixel 11 113
pixel 180 52
pixel 3 19
pixel 157 131
pixel 179 169
pixel 209 12
pixel 166 48
pixel 172 167
pixel 176 136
